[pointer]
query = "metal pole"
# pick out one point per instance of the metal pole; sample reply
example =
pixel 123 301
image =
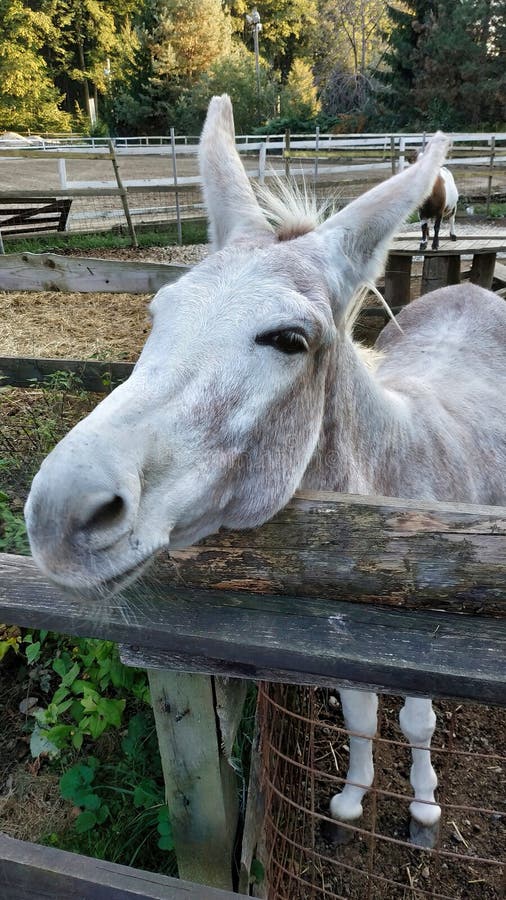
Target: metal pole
pixel 174 172
pixel 257 63
pixel 490 173
pixel 253 20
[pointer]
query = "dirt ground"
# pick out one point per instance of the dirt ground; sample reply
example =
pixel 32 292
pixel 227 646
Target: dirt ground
pixel 377 864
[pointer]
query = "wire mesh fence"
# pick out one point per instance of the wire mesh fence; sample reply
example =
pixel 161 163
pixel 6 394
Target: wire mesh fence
pixel 305 754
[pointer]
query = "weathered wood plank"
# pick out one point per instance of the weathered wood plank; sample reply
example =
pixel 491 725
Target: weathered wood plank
pixel 482 269
pixel 397 290
pixel 94 375
pixel 500 274
pixel 200 786
pixel 50 153
pixel 460 247
pixel 378 550
pixel 440 270
pixel 283 638
pixel 52 272
pixel 31 872
pixel 372 550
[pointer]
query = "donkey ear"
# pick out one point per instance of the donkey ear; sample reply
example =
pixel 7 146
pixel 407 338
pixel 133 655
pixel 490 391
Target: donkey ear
pixel 357 238
pixel 231 204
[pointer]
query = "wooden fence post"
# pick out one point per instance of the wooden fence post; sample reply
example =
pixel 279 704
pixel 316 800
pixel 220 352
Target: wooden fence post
pixel 62 172
pixel 200 784
pixel 316 150
pixel 402 159
pixel 123 195
pixel 262 156
pixel 287 152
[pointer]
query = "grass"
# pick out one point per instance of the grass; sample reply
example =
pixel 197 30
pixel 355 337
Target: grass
pixel 193 232
pixel 496 210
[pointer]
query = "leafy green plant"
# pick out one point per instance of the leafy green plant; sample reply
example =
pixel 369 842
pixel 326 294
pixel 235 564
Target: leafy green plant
pixel 80 707
pixel 13 537
pixel 120 804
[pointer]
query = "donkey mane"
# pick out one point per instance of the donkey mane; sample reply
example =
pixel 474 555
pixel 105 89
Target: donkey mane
pixel 293 210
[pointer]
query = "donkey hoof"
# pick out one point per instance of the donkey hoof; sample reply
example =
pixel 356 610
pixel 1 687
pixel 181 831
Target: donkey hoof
pixel 336 833
pixel 435 246
pixel 453 237
pixel 423 245
pixel 423 835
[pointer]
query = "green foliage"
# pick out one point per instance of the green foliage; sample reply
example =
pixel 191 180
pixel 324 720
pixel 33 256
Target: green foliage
pixel 193 232
pixel 178 41
pixel 298 96
pixel 289 29
pixel 236 76
pixel 444 65
pixel 13 537
pixel 88 685
pixel 122 812
pixel 28 98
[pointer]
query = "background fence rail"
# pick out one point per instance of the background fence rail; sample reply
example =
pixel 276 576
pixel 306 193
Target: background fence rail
pixel 161 180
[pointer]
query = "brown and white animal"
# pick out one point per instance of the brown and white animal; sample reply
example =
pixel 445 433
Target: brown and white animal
pixel 440 204
pixel 250 385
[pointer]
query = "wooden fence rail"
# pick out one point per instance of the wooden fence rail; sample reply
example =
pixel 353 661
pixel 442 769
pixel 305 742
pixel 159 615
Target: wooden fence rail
pixel 314 596
pixel 31 872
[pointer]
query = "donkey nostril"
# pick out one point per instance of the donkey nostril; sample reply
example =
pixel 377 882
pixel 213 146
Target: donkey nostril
pixel 106 514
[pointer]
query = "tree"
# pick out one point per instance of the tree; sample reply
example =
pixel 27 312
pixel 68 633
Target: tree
pixel 188 36
pixel 288 27
pixel 402 59
pixel 234 75
pixel 179 40
pixel 352 34
pixel 444 64
pixel 462 81
pixel 28 99
pixel 298 97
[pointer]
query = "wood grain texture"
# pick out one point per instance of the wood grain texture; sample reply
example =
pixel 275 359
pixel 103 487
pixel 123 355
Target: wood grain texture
pixel 439 269
pixel 200 787
pixel 370 550
pixel 94 375
pixel 31 872
pixel 482 269
pixel 52 272
pixel 297 639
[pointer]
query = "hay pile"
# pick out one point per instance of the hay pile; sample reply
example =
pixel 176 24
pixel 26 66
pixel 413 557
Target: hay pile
pixel 73 326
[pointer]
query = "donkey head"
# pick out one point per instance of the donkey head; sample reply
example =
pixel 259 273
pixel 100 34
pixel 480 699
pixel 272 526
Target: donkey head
pixel 222 413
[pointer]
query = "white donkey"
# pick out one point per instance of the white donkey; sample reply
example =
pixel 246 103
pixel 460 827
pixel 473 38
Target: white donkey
pixel 251 358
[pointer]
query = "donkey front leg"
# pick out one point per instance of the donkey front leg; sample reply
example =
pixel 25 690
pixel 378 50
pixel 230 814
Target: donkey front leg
pixel 360 712
pixel 425 234
pixel 418 721
pixel 453 236
pixel 435 240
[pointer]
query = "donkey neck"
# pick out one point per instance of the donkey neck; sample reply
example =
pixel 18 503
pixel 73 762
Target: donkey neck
pixel 361 421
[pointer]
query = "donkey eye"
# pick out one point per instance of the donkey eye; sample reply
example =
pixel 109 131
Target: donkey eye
pixel 287 341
